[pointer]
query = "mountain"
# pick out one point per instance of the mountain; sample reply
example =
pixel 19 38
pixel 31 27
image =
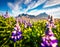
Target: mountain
pixel 42 15
pixel 22 15
pixel 26 15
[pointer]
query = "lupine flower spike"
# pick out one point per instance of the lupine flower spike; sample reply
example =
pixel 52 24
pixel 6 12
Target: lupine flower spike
pixel 29 24
pixel 6 15
pixel 16 34
pixel 49 40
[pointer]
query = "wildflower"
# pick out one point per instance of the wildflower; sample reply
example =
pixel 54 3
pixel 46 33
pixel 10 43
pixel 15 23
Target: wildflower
pixel 49 40
pixel 29 24
pixel 25 25
pixel 6 15
pixel 16 34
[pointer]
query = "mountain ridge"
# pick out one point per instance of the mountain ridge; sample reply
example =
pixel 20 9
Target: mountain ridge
pixel 41 15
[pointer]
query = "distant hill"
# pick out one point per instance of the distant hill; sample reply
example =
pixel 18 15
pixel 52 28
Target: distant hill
pixel 42 15
pixel 26 15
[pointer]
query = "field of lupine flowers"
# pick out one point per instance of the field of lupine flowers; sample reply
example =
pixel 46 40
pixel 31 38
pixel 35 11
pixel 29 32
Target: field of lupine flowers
pixel 31 36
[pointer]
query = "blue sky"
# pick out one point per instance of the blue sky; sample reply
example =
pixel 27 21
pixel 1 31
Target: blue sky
pixel 32 7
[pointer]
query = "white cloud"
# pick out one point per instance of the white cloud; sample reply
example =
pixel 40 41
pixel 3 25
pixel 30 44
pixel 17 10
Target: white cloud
pixel 16 13
pixel 34 4
pixel 27 1
pixel 36 12
pixel 10 5
pixel 38 3
pixel 54 12
pixel 30 6
pixel 16 7
pixel 52 3
pixel 33 12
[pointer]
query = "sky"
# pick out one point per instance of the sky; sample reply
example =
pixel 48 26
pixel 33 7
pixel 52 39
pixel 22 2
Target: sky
pixel 32 7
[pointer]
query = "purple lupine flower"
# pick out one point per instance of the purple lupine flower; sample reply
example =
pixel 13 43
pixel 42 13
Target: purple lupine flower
pixel 19 32
pixel 42 45
pixel 49 40
pixel 53 44
pixel 45 44
pixel 50 33
pixel 15 28
pixel 20 20
pixel 6 15
pixel 15 39
pixel 24 21
pixel 29 24
pixel 25 25
pixel 19 35
pixel 16 34
pixel 52 24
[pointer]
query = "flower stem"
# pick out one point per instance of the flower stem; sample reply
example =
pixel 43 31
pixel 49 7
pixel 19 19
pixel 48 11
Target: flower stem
pixel 14 44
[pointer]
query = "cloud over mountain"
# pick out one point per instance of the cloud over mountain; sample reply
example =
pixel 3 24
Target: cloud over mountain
pixel 34 7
